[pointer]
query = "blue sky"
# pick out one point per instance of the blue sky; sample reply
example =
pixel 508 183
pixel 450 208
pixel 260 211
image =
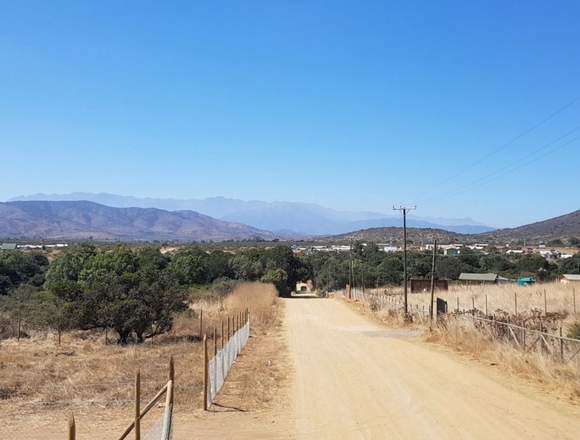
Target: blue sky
pixel 353 105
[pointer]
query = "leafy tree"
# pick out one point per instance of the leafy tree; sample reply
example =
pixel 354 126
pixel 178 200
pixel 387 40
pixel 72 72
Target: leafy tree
pixel 278 277
pixel 570 265
pixel 189 266
pixel 495 263
pixel 18 268
pixel 132 291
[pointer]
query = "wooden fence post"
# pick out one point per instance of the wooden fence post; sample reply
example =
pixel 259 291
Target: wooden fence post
pixel 473 305
pixel 205 373
pixel 574 299
pixel 457 304
pixel 200 323
pixel 138 405
pixel 545 304
pixel 171 369
pixel 516 303
pixel 222 334
pixel 72 429
pixel 486 305
pixel 229 331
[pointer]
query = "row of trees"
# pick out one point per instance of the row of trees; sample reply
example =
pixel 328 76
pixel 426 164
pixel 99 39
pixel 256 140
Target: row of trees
pixel 135 291
pixel 373 268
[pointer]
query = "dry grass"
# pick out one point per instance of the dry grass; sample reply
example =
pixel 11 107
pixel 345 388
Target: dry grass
pixel 461 335
pixel 36 374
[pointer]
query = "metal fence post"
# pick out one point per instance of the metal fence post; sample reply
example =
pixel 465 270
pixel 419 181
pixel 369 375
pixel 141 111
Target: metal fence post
pixel 206 374
pixel 215 344
pixel 200 323
pixel 561 346
pixel 138 405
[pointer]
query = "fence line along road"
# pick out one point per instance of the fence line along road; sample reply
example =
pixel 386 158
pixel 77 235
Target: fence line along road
pixel 215 374
pixel 526 339
pixel 217 368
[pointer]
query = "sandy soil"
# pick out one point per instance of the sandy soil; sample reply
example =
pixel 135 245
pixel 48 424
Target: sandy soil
pixel 356 380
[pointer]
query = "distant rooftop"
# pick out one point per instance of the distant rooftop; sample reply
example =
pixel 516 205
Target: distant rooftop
pixel 478 277
pixel 572 277
pixel 7 246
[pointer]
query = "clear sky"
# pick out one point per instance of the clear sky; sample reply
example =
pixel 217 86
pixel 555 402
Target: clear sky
pixel 353 105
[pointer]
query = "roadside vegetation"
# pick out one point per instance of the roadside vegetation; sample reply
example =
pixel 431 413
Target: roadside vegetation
pixel 135 292
pixel 89 375
pixel 373 268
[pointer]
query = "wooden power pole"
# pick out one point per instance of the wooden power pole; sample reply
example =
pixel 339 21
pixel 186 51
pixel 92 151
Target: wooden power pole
pixel 432 280
pixel 404 210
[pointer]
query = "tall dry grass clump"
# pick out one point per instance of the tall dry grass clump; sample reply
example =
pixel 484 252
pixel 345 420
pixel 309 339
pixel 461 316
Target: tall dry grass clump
pixel 259 298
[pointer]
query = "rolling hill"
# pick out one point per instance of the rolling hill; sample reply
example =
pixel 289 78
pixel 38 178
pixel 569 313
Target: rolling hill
pixel 89 220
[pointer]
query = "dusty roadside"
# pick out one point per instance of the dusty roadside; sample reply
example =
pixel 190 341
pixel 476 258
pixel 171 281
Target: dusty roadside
pixel 252 400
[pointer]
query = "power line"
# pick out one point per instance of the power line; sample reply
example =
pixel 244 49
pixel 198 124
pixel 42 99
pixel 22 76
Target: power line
pixel 507 144
pixel 523 161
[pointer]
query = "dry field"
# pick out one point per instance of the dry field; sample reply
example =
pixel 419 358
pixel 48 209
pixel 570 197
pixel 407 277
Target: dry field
pixel 41 382
pixel 555 298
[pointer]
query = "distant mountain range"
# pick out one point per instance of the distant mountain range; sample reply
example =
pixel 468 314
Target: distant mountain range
pixel 287 218
pixel 88 220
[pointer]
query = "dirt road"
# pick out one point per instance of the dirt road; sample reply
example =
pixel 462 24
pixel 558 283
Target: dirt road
pixel 343 377
pixel 356 380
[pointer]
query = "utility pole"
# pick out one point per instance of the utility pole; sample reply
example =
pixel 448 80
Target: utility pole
pixel 350 269
pixel 432 280
pixel 404 210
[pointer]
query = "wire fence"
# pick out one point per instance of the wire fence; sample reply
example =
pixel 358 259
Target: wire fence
pixel 235 333
pixel 526 339
pixel 218 367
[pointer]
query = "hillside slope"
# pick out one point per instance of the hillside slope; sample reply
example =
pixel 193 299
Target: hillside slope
pixel 562 227
pixel 83 220
pixel 395 235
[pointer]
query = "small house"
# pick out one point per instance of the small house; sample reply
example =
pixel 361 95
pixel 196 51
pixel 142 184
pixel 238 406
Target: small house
pixel 478 278
pixel 8 246
pixel 570 278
